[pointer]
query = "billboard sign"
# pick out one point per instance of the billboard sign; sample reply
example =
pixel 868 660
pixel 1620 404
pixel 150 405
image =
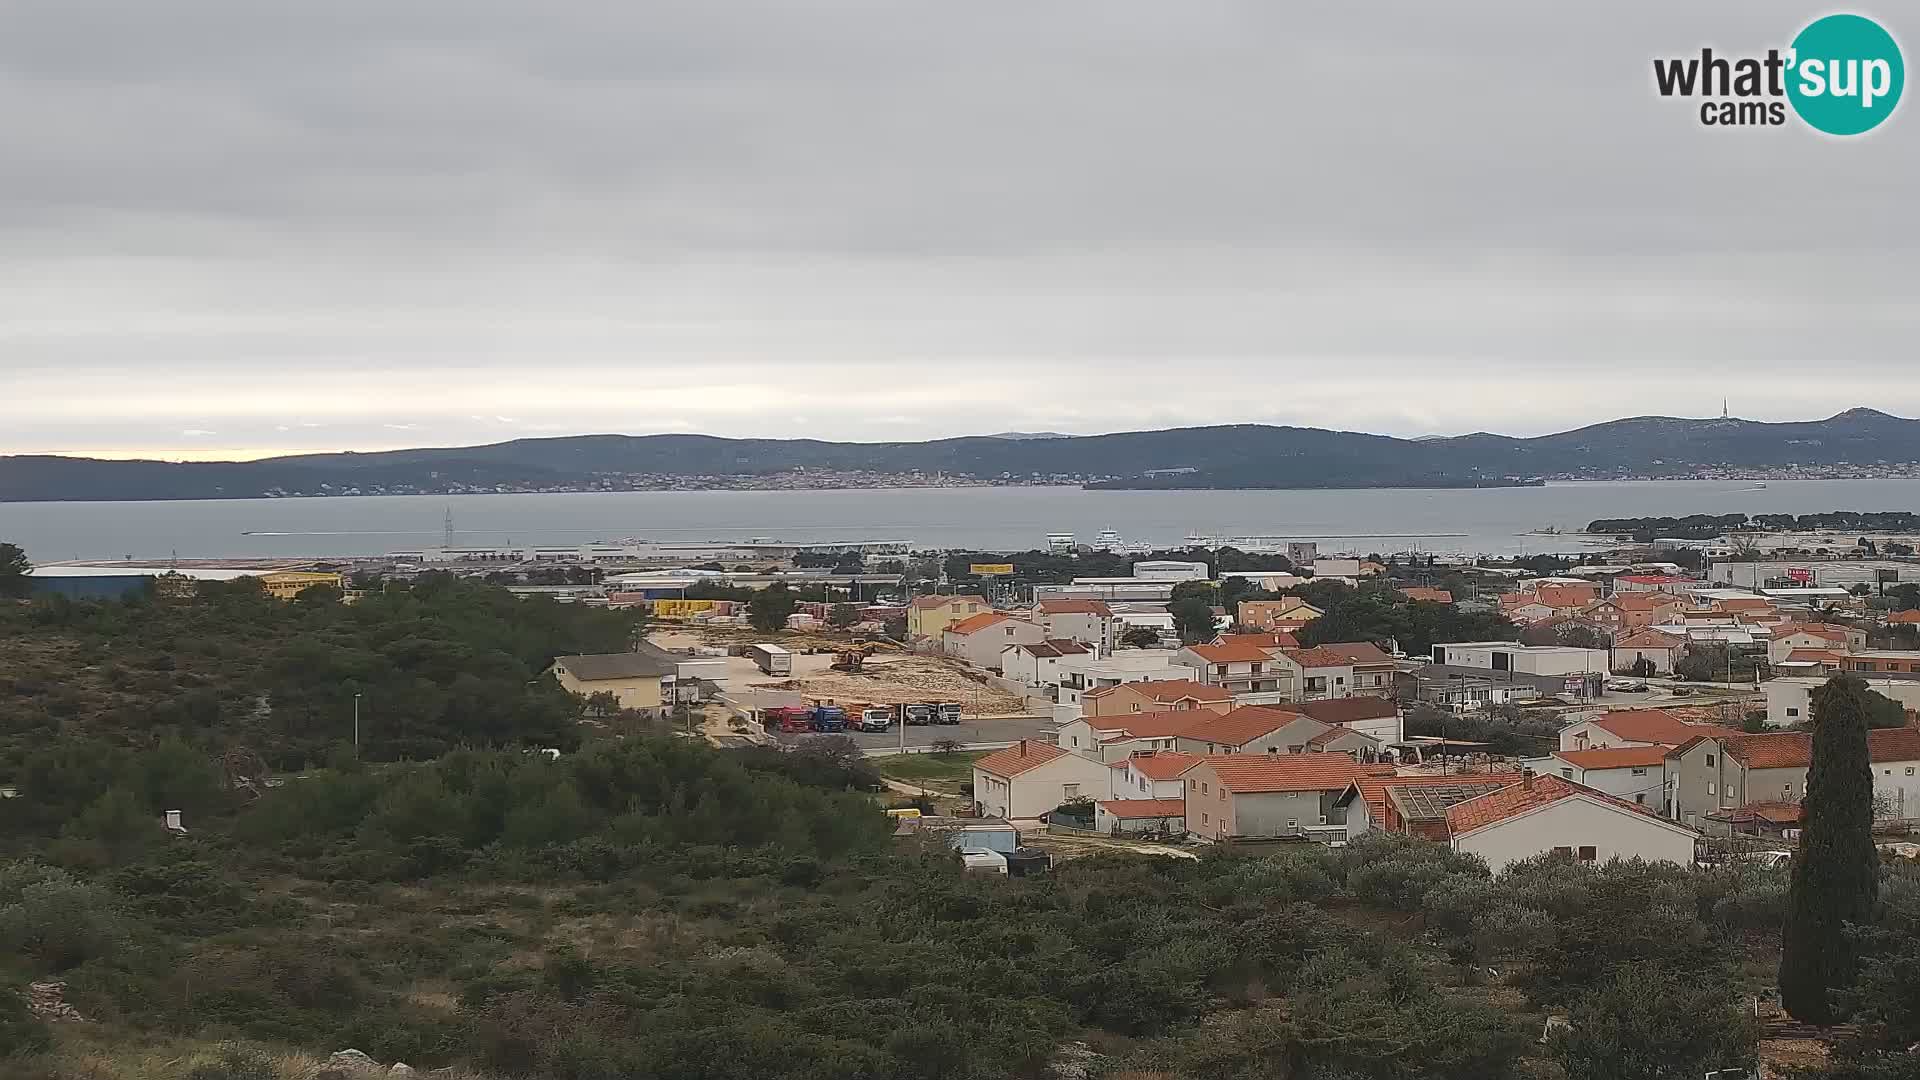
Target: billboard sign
pixel 993 569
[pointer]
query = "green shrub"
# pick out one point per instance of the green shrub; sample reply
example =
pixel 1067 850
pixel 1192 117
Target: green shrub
pixel 21 1032
pixel 51 917
pixel 234 1061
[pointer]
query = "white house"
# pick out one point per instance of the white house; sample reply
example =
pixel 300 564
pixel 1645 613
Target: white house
pixel 1089 622
pixel 980 639
pixel 1636 774
pixel 1037 664
pixel 1524 659
pixel 1086 672
pixel 1376 717
pixel 1030 778
pixel 1633 727
pixel 1790 700
pixel 1653 646
pixel 1241 668
pixel 1149 774
pixel 1113 738
pixel 1543 814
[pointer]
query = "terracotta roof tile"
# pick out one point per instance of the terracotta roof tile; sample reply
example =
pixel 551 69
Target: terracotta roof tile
pixel 1135 809
pixel 1617 757
pixel 1152 725
pixel 1347 710
pixel 1074 607
pixel 973 623
pixel 1259 641
pixel 1230 654
pixel 1421 592
pixel 1318 657
pixel 1358 652
pixel 1654 726
pixel 1054 647
pixel 1899 617
pixel 1024 756
pixel 1519 798
pixel 1164 690
pixel 1241 726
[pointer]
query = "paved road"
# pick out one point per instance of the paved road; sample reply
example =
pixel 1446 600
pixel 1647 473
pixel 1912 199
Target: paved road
pixel 993 733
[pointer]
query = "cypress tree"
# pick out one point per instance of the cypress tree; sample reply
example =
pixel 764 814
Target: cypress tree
pixel 1836 875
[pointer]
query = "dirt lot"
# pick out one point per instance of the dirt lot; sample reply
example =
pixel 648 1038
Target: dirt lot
pixel 908 680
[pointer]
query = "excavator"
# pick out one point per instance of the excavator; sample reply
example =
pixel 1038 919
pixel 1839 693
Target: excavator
pixel 852 659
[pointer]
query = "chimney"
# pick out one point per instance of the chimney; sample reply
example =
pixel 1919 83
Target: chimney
pixel 1023 748
pixel 1526 779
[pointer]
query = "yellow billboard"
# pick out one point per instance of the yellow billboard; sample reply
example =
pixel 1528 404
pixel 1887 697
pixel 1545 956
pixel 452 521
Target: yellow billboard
pixel 671 608
pixel 990 569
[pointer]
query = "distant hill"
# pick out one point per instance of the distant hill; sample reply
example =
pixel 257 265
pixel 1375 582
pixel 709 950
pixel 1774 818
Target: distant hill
pixel 1229 456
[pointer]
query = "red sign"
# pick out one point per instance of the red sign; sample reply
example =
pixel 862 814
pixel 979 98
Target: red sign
pixel 1800 574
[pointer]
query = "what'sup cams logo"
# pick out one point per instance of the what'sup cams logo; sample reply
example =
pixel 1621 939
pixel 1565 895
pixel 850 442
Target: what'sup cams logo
pixel 1842 75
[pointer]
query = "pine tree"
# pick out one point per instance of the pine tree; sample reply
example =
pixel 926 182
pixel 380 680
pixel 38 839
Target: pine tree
pixel 1836 875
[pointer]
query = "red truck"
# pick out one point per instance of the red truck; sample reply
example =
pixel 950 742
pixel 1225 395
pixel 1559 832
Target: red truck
pixel 788 718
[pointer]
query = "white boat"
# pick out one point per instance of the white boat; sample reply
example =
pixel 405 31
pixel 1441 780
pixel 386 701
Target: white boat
pixel 1107 540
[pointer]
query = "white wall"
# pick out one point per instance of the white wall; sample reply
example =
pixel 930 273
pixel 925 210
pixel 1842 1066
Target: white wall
pixel 1037 791
pixel 982 647
pixel 1576 822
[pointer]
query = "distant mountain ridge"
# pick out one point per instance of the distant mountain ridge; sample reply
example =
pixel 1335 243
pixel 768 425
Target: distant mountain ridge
pixel 1227 456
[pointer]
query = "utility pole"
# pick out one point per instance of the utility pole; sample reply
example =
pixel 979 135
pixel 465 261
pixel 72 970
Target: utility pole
pixel 356 723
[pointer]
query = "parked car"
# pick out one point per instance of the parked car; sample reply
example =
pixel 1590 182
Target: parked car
pixel 1626 686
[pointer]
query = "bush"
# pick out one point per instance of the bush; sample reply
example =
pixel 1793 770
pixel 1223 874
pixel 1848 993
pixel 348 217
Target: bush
pixel 49 916
pixel 234 1061
pixel 1648 1021
pixel 21 1032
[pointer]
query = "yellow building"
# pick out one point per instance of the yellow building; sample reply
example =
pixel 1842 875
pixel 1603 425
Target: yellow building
pixel 287 584
pixel 929 616
pixel 640 681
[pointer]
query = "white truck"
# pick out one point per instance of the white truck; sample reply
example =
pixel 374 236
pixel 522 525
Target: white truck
pixel 772 659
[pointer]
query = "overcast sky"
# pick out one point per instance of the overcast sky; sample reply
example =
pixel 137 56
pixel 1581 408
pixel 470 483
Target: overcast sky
pixel 230 228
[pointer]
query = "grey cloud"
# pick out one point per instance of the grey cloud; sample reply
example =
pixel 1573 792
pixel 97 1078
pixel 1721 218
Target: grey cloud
pixel 909 216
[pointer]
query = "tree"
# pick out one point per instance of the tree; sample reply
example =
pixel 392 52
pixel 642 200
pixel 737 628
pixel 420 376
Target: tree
pixel 771 607
pixel 841 616
pixel 1643 668
pixel 1140 637
pixel 1648 1022
pixel 1193 620
pixel 1836 876
pixel 14 568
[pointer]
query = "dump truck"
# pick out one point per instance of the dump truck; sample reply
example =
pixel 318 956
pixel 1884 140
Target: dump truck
pixel 918 715
pixel 949 712
pixel 876 718
pixel 788 718
pixel 829 718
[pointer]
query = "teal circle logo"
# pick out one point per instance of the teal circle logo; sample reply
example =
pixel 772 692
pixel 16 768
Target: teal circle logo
pixel 1846 74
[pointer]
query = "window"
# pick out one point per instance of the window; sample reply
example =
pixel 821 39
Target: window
pixel 1710 788
pixel 1076 739
pixel 1563 851
pixel 1568 773
pixel 1204 790
pixel 1639 772
pixel 1793 712
pixel 1786 789
pixel 1909 770
pixel 1709 761
pixel 1641 798
pixel 1589 854
pixel 1293 824
pixel 1223 794
pixel 1732 790
pixel 1275 750
pixel 1195 785
pixel 1071 791
pixel 1203 819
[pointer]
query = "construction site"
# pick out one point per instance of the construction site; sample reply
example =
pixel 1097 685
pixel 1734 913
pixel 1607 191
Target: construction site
pixel 828 668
